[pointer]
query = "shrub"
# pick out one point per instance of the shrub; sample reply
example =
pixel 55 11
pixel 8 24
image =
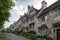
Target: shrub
pixel 49 38
pixel 31 32
pixel 32 37
pixel 22 34
pixel 18 32
pixel 27 34
pixel 42 36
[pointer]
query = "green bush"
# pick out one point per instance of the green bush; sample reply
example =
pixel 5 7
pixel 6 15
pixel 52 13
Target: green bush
pixel 49 38
pixel 42 36
pixel 31 32
pixel 22 34
pixel 27 34
pixel 32 37
pixel 18 32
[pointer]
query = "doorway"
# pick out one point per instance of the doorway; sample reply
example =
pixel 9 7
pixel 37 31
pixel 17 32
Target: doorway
pixel 58 34
pixel 56 27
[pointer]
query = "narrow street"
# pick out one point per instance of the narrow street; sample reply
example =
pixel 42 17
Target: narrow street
pixel 15 37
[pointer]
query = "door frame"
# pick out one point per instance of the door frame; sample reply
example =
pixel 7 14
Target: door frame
pixel 56 32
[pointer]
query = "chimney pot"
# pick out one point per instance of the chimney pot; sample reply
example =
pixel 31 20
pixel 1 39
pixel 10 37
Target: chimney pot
pixel 44 4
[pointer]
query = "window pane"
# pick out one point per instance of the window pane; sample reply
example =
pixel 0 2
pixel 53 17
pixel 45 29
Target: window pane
pixel 58 12
pixel 45 17
pixel 42 31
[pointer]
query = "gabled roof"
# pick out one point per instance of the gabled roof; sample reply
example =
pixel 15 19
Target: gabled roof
pixel 53 6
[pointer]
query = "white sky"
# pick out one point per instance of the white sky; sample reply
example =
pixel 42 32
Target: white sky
pixel 21 8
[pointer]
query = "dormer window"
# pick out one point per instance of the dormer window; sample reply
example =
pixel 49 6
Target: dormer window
pixel 44 18
pixel 58 12
pixel 32 18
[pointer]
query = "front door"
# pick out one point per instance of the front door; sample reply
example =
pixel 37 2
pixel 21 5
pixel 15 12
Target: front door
pixel 58 34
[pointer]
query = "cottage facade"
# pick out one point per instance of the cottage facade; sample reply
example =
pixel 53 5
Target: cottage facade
pixel 43 21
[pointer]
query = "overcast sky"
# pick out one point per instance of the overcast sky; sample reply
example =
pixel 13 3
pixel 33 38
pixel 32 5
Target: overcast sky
pixel 21 8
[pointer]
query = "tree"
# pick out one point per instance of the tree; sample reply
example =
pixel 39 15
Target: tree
pixel 5 6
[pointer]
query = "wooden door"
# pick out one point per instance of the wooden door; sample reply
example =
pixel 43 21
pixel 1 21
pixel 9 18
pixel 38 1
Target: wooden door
pixel 58 34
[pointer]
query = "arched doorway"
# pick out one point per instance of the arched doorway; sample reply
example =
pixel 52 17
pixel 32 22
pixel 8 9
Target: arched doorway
pixel 56 27
pixel 31 26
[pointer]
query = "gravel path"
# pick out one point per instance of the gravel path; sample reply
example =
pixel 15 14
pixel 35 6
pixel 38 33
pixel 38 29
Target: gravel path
pixel 15 37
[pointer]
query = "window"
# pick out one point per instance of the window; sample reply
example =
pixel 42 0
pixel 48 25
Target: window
pixel 44 18
pixel 42 31
pixel 32 18
pixel 58 12
pixel 32 25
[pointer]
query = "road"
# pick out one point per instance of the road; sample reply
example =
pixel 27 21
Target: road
pixel 15 37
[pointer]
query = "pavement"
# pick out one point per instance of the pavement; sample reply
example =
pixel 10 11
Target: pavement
pixel 16 37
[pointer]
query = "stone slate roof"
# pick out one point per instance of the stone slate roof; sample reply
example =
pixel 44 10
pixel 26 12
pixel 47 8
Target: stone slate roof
pixel 53 6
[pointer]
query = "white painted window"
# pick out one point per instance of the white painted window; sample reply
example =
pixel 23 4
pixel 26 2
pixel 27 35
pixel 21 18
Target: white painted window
pixel 45 18
pixel 58 12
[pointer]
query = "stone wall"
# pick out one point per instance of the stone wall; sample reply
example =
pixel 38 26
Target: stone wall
pixel 2 36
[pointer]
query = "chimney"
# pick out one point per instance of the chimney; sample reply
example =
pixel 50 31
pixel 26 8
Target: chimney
pixel 30 9
pixel 44 4
pixel 32 6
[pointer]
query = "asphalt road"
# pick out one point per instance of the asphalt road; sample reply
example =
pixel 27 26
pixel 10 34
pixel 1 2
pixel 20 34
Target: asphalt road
pixel 15 37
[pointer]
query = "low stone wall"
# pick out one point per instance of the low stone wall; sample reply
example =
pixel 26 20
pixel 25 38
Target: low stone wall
pixel 2 36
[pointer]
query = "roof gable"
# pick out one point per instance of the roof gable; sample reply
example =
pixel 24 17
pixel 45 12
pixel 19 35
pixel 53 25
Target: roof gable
pixel 53 6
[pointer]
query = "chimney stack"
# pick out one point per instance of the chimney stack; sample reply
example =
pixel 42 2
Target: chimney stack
pixel 44 4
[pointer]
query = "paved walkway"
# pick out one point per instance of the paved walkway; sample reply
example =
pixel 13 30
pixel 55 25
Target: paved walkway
pixel 15 37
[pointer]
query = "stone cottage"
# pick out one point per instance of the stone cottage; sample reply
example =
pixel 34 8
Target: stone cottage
pixel 43 21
